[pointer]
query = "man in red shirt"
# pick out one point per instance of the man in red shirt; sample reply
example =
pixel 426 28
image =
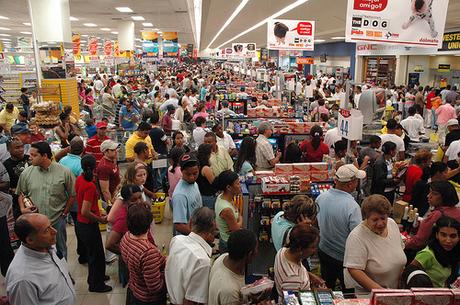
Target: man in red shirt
pixel 107 171
pixel 93 146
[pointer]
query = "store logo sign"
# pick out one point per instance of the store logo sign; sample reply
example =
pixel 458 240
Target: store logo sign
pixel 357 32
pixel 366 47
pixel 370 5
pixel 357 22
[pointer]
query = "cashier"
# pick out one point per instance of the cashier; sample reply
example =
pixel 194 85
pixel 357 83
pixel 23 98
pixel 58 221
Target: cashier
pixel 265 158
pixel 313 150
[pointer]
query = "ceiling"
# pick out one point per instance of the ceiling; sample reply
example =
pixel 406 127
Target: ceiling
pixel 165 15
pixel 173 15
pixel 328 14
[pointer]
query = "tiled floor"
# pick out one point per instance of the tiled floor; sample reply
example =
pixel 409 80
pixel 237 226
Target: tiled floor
pixel 163 234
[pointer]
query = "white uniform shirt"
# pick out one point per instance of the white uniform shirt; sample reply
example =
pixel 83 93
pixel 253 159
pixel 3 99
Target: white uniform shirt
pixel 453 150
pixel 414 127
pixel 187 269
pixel 226 142
pixel 395 139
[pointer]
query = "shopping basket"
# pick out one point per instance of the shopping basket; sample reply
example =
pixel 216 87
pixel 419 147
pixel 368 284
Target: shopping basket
pixel 158 207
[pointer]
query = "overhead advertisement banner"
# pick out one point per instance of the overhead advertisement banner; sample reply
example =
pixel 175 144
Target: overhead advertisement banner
pixel 245 50
pixel 92 45
pixel 283 34
pixel 170 44
pixel 451 42
pixel 116 49
pixel 108 45
pixel 149 44
pixel 412 23
pixel 76 41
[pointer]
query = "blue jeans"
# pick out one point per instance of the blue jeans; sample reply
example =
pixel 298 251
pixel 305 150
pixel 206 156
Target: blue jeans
pixel 61 238
pixel 209 201
pixel 159 175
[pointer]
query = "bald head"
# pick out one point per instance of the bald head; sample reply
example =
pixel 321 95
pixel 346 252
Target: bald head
pixel 35 231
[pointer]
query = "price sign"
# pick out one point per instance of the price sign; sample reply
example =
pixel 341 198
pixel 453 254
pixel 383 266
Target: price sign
pixel 350 124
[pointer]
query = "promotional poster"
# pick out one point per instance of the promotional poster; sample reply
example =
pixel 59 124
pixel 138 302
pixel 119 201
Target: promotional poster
pixel 244 50
pixel 170 44
pixel 149 44
pixel 409 22
pixel 283 34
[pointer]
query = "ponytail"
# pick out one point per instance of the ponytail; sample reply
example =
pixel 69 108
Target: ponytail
pixel 88 164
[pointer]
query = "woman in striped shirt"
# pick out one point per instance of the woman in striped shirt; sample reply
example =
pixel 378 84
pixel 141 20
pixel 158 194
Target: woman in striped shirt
pixel 290 274
pixel 145 262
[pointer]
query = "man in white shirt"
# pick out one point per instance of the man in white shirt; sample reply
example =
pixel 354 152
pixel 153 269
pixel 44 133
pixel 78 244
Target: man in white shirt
pixel 116 89
pixel 171 101
pixel 332 136
pixel 242 95
pixel 225 140
pixel 200 131
pixel 98 84
pixel 309 88
pixel 394 132
pixel 413 126
pixel 453 151
pixel 229 268
pixel 189 261
pixel 358 92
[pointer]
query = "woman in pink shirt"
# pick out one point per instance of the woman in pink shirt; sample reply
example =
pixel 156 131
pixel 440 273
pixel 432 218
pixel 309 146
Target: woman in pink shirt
pixel 442 199
pixel 321 109
pixel 444 113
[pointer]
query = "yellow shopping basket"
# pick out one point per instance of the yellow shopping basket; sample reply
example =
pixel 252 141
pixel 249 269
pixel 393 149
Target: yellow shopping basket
pixel 158 207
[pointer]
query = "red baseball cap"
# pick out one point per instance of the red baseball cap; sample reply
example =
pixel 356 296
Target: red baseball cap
pixel 101 125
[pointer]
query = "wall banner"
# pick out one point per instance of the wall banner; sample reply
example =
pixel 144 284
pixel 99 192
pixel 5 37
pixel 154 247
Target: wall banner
pixel 412 23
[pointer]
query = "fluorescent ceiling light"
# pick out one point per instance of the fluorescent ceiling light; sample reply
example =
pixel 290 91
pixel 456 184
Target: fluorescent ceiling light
pixel 5 35
pixel 84 35
pixel 138 47
pixel 159 32
pixel 91 25
pixel 4 29
pixel 137 18
pixel 105 29
pixel 5 39
pixel 27 23
pixel 147 24
pixel 338 38
pixel 3 17
pixel 115 33
pixel 229 20
pixel 26 33
pixel 124 9
pixel 137 39
pixel 73 18
pixel 320 40
pixel 261 23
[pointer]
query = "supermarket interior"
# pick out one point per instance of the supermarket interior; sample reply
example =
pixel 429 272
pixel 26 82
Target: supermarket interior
pixel 296 152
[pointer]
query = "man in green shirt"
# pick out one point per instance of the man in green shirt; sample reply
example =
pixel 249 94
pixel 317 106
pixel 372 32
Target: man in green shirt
pixel 50 186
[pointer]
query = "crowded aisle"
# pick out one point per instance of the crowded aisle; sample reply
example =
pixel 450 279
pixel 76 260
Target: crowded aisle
pixel 306 171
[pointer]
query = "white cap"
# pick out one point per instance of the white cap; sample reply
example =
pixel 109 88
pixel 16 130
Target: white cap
pixel 109 144
pixel 452 122
pixel 348 172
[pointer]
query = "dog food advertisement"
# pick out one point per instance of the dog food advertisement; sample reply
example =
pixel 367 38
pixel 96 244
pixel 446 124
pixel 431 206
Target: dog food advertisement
pixel 244 50
pixel 283 34
pixel 408 22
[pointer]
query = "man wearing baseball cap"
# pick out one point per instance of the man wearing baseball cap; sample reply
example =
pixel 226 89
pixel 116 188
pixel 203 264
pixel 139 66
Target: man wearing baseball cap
pixel 454 132
pixel 338 215
pixel 93 145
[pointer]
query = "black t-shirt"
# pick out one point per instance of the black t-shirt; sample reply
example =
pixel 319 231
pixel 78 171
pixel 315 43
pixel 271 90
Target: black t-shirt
pixel 15 169
pixel 452 136
pixel 24 99
pixel 157 135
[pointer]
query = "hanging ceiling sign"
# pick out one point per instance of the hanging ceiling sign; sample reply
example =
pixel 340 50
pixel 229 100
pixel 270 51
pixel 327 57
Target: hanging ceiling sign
pixel 412 23
pixel 244 50
pixel 283 34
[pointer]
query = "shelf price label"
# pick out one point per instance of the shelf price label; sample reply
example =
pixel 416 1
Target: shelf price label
pixel 350 124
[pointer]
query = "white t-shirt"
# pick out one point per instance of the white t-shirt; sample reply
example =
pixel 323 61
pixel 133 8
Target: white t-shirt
pixel 414 127
pixel 393 138
pixel 332 136
pixel 198 135
pixel 381 258
pixel 224 284
pixel 98 85
pixel 226 142
pixel 453 150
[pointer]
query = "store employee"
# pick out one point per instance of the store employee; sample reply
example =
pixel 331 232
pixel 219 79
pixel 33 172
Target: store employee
pixel 265 158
